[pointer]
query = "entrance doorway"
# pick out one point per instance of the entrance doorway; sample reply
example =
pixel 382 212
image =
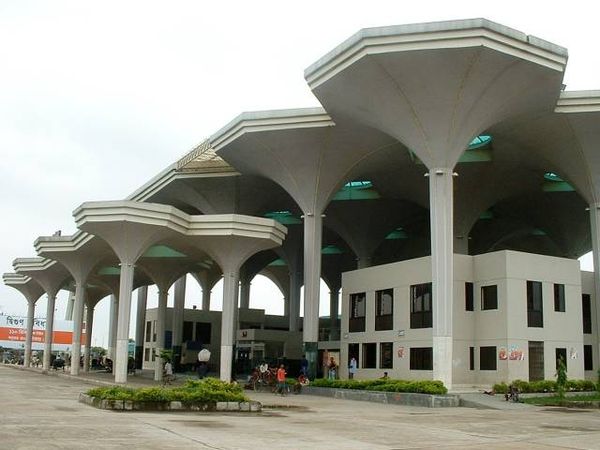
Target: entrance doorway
pixel 536 360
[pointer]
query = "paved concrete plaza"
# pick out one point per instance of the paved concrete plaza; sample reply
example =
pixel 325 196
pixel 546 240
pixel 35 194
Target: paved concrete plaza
pixel 42 412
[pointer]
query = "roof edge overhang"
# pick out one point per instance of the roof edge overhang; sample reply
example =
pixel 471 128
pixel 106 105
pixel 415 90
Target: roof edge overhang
pixel 14 279
pixel 32 264
pixel 154 184
pixel 62 243
pixel 178 221
pixel 272 120
pixel 436 35
pixel 578 102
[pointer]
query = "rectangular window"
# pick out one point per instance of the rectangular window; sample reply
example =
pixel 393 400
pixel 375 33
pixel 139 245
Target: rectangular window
pixel 489 297
pixel 421 358
pixel 358 306
pixel 535 305
pixel 153 331
pixel 559 297
pixel 146 354
pixel 369 356
pixel 588 359
pixel 153 354
pixel 561 353
pixel 420 306
pixel 386 355
pixel 188 331
pixel 384 309
pixel 471 358
pixel 469 290
pixel 203 331
pixel 148 331
pixel 487 358
pixel 586 309
pixel 353 352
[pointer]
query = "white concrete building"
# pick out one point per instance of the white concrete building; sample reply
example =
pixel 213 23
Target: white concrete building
pixel 513 314
pixel 436 147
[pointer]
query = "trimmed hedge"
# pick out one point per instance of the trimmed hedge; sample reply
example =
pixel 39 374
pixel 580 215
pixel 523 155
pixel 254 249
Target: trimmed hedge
pixel 416 387
pixel 208 390
pixel 545 386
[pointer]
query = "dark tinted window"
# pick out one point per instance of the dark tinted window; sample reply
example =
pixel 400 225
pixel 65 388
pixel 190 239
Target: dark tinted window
pixel 384 309
pixel 535 304
pixel 420 306
pixel 386 355
pixel 421 358
pixel 586 309
pixel 559 297
pixel 489 297
pixel 487 358
pixel 469 296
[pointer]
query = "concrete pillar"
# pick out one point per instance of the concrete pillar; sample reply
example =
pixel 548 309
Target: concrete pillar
pixel 442 266
pixel 364 261
pixel 161 320
pixel 178 308
pixel 89 323
pixel 140 326
pixel 230 290
pixel 77 325
pixel 206 299
pixel 121 354
pixel 334 301
pixel 49 331
pixel 70 304
pixel 286 307
pixel 294 302
pixel 29 333
pixel 461 245
pixel 595 225
pixel 112 327
pixel 245 293
pixel 313 230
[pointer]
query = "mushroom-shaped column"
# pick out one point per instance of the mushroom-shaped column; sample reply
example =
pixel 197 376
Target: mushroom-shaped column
pixel 79 253
pixel 311 158
pixel 140 320
pixel 94 293
pixel 231 239
pixel 434 87
pixel 249 270
pixel 51 276
pixel 129 228
pixel 178 309
pixel 579 115
pixel 207 279
pixel 32 291
pixel 164 266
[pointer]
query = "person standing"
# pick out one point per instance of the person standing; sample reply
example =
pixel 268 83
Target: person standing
pixel 281 380
pixel 352 368
pixel 304 366
pixel 332 368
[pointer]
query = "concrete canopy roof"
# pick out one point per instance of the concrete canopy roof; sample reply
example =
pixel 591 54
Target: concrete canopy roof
pixel 301 150
pixel 434 87
pixel 149 224
pixel 50 275
pixel 27 286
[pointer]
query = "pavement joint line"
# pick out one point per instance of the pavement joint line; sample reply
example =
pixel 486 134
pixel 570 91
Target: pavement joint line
pixel 181 435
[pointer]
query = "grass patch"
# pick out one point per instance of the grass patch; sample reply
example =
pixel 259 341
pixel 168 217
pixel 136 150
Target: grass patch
pixel 415 387
pixel 555 400
pixel 208 390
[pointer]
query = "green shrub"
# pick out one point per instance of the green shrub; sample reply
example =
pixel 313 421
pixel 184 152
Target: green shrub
pixel 389 385
pixel 500 388
pixel 545 386
pixel 208 390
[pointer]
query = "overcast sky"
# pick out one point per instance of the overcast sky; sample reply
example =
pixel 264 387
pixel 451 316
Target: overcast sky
pixel 98 97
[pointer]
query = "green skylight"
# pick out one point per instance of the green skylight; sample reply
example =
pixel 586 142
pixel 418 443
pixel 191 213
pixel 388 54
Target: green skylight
pixel 278 262
pixel 398 233
pixel 480 141
pixel 554 183
pixel 357 190
pixel 538 232
pixel 162 251
pixel 486 215
pixel 109 271
pixel 331 250
pixel 283 217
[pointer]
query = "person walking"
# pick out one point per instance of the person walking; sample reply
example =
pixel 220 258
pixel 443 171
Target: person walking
pixel 332 368
pixel 281 380
pixel 352 368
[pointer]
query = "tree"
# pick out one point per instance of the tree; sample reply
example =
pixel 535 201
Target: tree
pixel 561 379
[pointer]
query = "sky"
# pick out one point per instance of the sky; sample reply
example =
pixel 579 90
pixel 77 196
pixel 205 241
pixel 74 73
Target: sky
pixel 98 97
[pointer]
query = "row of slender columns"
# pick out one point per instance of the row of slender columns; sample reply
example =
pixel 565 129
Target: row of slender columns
pixel 49 330
pixel 140 327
